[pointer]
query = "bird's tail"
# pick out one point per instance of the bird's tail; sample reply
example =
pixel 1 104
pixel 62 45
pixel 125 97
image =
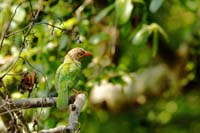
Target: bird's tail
pixel 62 100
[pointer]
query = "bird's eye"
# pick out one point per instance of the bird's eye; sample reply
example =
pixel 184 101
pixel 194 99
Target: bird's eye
pixel 81 54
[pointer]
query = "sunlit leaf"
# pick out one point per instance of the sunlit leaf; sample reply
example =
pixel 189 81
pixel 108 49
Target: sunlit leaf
pixel 20 13
pixel 103 13
pixel 17 95
pixel 70 23
pixel 155 5
pixel 155 26
pixel 123 10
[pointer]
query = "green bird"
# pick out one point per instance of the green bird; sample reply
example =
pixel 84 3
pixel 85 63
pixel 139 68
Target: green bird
pixel 67 75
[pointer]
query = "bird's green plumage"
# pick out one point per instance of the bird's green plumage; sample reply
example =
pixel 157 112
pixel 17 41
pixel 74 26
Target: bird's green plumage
pixel 65 80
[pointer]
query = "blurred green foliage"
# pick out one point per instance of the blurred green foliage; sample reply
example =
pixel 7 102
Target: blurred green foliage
pixel 124 36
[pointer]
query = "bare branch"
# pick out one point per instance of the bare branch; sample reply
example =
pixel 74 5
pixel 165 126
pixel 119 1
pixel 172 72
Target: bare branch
pixel 28 103
pixel 59 129
pixel 73 123
pixel 75 111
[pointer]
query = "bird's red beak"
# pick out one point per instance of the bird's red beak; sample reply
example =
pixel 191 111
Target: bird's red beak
pixel 87 53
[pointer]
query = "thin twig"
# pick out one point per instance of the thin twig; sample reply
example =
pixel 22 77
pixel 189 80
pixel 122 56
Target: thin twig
pixel 17 31
pixel 36 23
pixel 3 36
pixel 31 8
pixel 13 65
pixel 54 26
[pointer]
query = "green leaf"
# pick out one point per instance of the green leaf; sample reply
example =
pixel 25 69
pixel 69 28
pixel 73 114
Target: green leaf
pixel 155 43
pixel 162 32
pixel 103 13
pixel 141 36
pixel 95 39
pixel 123 10
pixel 154 26
pixel 138 1
pixel 155 5
pixel 191 5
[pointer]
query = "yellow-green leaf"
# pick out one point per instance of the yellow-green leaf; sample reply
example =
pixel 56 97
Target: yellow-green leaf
pixel 155 5
pixel 103 13
pixel 141 36
pixel 155 43
pixel 123 10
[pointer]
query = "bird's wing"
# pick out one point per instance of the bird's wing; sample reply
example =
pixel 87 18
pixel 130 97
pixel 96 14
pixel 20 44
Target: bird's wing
pixel 57 76
pixel 66 77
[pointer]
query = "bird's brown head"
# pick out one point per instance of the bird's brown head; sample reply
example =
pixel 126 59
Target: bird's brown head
pixel 77 54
